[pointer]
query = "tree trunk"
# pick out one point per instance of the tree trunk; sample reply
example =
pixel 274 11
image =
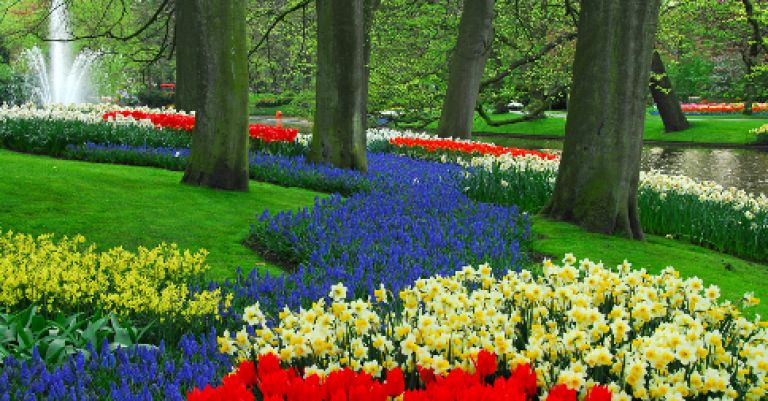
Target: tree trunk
pixel 369 9
pixel 339 131
pixel 187 71
pixel 473 47
pixel 219 154
pixel 596 186
pixel 751 55
pixel 665 98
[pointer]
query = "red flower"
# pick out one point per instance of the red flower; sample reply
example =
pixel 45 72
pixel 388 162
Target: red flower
pixel 427 375
pixel 268 363
pixel 561 393
pixel 486 363
pixel 599 393
pixel 524 377
pixel 395 384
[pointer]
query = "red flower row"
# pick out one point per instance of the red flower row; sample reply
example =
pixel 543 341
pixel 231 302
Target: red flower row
pixel 187 123
pixel 275 383
pixel 432 145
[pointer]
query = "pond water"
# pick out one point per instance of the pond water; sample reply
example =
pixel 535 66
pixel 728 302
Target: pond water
pixel 746 169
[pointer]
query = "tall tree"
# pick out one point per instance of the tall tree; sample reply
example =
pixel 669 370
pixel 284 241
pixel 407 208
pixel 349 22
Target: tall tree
pixel 751 53
pixel 339 131
pixel 597 182
pixel 187 73
pixel 473 47
pixel 219 154
pixel 665 98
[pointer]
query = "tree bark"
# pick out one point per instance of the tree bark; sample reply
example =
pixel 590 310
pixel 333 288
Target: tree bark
pixel 473 47
pixel 597 183
pixel 751 55
pixel 187 71
pixel 219 153
pixel 665 98
pixel 339 130
pixel 369 9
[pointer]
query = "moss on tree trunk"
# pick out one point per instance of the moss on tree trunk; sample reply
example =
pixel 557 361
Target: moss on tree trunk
pixel 466 69
pixel 665 98
pixel 339 130
pixel 599 170
pixel 219 153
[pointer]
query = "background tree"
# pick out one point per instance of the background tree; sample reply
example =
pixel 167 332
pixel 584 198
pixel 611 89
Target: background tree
pixel 467 65
pixel 219 151
pixel 339 131
pixel 665 97
pixel 597 182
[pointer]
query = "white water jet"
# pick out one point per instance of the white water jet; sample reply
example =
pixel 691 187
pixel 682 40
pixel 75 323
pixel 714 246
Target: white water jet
pixel 65 81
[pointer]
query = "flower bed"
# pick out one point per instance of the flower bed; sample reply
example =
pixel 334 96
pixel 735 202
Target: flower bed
pixel 272 382
pixel 66 276
pixel 414 222
pixel 644 336
pixel 709 109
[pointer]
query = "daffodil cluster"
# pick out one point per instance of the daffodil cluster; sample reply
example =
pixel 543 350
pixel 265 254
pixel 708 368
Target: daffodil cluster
pixel 648 337
pixel 67 276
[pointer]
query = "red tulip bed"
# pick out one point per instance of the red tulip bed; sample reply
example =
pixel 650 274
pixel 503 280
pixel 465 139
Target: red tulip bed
pixel 274 383
pixel 185 122
pixel 449 145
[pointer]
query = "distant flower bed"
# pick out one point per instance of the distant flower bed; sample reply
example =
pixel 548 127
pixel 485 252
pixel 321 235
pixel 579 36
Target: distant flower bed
pixel 468 147
pixel 186 122
pixel 720 108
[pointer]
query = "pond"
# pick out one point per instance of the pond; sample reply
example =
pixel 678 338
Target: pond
pixel 746 169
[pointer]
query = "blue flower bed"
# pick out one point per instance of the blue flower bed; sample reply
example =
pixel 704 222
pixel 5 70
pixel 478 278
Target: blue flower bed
pixel 136 374
pixel 415 222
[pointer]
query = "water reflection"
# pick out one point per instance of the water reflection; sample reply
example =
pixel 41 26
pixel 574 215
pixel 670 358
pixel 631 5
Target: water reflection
pixel 746 169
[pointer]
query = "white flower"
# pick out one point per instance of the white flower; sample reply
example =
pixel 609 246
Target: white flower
pixel 338 292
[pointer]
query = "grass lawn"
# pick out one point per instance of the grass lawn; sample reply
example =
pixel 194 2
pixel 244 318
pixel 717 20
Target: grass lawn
pixel 703 130
pixel 132 206
pixel 734 276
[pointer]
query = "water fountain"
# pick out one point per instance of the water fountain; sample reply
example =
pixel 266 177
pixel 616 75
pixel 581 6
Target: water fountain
pixel 64 81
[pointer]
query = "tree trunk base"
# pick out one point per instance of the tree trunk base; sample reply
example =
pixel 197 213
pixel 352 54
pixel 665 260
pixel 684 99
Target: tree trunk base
pixel 223 179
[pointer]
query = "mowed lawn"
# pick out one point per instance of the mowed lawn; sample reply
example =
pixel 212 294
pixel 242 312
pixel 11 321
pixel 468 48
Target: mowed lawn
pixel 127 206
pixel 733 131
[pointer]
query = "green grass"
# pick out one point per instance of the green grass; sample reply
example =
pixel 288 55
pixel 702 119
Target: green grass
pixel 134 206
pixel 734 276
pixel 704 130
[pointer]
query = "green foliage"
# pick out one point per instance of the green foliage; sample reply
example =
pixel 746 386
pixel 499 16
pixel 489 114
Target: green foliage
pixel 55 339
